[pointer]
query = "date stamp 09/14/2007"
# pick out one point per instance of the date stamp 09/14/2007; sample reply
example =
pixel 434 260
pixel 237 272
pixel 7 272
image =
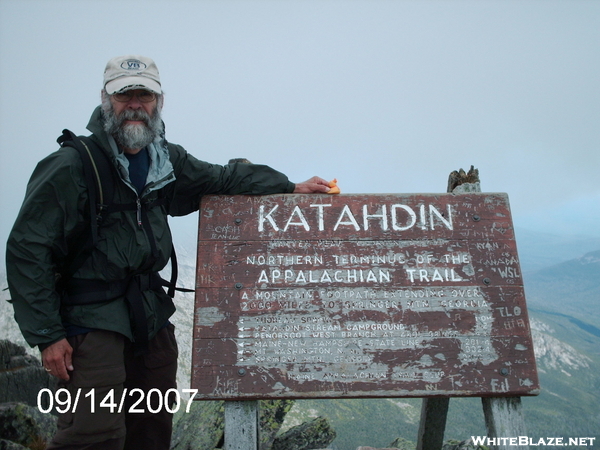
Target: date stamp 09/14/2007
pixel 132 401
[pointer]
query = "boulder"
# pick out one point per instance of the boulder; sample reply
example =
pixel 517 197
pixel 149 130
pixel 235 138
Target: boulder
pixel 271 416
pixel 362 447
pixel 22 376
pixel 25 425
pixel 310 435
pixel 8 445
pixel 462 445
pixel 201 428
pixel 403 444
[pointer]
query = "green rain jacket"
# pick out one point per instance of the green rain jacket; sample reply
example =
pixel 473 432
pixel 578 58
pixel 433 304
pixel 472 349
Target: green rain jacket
pixel 55 213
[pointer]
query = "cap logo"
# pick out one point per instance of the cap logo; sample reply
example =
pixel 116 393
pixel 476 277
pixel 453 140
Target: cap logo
pixel 133 64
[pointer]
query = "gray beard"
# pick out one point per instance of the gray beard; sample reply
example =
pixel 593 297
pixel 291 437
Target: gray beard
pixel 132 136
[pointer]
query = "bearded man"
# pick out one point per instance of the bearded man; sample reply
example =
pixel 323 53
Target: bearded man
pixel 104 330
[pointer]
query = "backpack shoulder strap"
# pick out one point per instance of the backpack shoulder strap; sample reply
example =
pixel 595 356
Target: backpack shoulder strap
pixel 99 180
pixel 98 175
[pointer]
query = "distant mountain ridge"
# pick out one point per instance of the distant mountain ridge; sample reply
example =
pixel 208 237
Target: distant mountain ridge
pixel 571 287
pixel 538 250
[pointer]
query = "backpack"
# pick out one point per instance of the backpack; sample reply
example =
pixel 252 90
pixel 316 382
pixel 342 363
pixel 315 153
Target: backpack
pixel 100 178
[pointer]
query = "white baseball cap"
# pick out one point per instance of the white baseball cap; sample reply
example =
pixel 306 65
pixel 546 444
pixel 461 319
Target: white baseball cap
pixel 131 72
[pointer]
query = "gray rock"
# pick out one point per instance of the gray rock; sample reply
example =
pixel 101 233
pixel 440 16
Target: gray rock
pixel 25 425
pixel 362 447
pixel 403 444
pixel 462 445
pixel 22 376
pixel 8 445
pixel 201 428
pixel 271 417
pixel 310 435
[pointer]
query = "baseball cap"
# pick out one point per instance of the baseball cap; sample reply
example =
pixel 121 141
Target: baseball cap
pixel 131 72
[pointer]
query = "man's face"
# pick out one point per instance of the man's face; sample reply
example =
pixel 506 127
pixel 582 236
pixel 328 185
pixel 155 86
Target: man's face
pixel 132 100
pixel 132 118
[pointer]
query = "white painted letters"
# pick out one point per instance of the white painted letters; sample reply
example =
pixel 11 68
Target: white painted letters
pixel 401 217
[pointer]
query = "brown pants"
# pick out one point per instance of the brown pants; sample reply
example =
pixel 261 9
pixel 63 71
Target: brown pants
pixel 105 365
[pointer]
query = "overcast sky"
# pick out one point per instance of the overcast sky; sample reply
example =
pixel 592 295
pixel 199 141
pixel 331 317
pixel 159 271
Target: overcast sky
pixel 386 96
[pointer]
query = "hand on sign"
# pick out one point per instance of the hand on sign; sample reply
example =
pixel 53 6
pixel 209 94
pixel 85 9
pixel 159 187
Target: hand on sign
pixel 315 185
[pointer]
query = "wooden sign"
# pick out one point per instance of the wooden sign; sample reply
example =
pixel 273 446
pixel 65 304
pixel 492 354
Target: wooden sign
pixel 399 295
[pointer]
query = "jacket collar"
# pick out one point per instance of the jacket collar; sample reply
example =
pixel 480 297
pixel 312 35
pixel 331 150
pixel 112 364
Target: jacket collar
pixel 161 170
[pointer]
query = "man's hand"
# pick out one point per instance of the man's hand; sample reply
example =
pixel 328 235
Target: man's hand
pixel 315 185
pixel 57 359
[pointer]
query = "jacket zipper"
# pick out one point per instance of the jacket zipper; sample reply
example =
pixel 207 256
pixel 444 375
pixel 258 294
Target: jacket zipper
pixel 139 212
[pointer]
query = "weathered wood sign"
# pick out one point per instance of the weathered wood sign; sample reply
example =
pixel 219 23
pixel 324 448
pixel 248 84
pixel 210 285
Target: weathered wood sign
pixel 316 296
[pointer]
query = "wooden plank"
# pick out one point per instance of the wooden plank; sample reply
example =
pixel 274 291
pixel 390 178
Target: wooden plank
pixel 503 419
pixel 433 423
pixel 360 296
pixel 241 425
